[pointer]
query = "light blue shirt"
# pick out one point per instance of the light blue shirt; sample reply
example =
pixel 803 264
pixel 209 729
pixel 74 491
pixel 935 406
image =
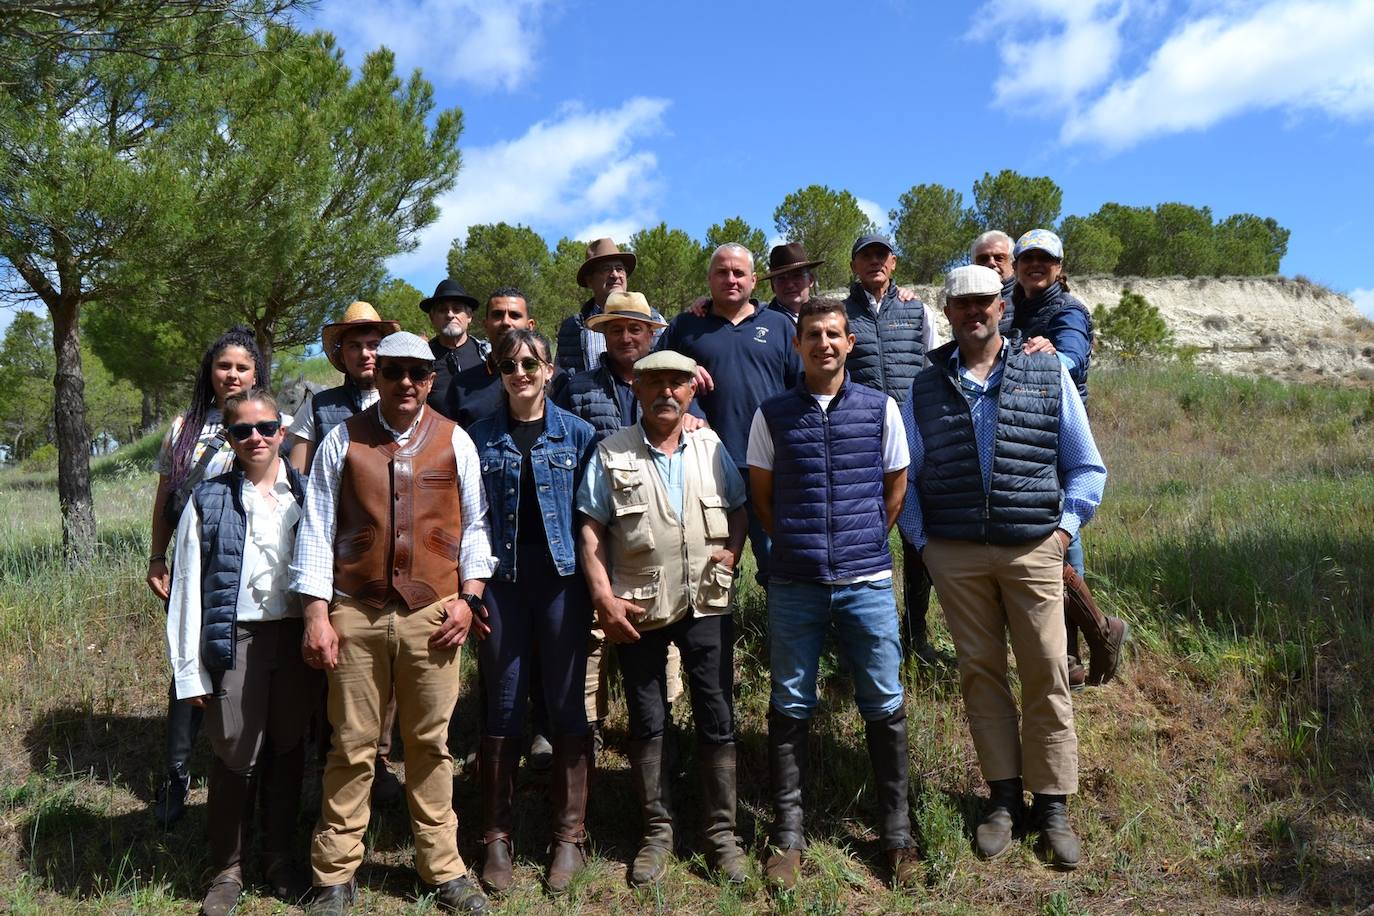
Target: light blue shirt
pixel 594 498
pixel 1081 472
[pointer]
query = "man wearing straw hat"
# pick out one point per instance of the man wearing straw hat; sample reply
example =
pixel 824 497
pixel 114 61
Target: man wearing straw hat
pixel 605 272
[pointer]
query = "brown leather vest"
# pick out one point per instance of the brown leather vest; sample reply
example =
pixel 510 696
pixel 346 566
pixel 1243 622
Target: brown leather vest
pixel 400 517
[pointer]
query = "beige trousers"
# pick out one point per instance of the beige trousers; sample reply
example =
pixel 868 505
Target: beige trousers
pixel 988 591
pixel 598 667
pixel 381 652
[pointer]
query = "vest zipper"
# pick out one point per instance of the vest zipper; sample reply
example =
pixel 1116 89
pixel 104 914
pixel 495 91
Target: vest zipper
pixel 829 488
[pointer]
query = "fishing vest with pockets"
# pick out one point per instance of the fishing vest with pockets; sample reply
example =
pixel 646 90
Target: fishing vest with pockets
pixel 889 348
pixel 400 517
pixel 223 528
pixel 658 561
pixel 829 517
pixel 1023 501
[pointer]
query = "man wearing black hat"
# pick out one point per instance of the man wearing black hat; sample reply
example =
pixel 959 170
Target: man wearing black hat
pixel 450 310
pixel 606 271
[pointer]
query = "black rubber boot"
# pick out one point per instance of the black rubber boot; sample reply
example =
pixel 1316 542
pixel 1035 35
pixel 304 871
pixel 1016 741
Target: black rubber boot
pixel 787 770
pixel 887 750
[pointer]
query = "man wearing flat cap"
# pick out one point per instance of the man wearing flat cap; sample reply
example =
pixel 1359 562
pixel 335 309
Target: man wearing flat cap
pixel 450 311
pixel 662 529
pixel 605 271
pixel 390 563
pixel 1003 472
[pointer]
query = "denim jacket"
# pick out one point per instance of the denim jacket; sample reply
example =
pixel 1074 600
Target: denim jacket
pixel 558 459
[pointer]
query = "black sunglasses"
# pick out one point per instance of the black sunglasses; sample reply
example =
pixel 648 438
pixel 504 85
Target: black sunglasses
pixel 528 365
pixel 266 428
pixel 417 374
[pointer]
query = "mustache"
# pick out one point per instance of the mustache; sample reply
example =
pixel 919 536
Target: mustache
pixel 665 402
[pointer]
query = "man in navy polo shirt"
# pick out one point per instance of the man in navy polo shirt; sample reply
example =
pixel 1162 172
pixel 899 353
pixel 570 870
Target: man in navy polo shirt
pixel 744 354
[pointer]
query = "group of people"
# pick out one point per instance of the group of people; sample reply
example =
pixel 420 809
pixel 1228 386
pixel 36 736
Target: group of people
pixel 554 505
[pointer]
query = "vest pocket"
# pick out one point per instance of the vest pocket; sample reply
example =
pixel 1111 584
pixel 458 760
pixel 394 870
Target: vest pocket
pixel 633 523
pixel 440 542
pixel 640 586
pixel 715 517
pixel 437 479
pixel 354 544
pixel 717 586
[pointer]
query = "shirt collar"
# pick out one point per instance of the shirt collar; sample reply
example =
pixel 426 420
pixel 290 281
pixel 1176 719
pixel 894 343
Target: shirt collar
pixel 956 365
pixel 653 449
pixel 387 426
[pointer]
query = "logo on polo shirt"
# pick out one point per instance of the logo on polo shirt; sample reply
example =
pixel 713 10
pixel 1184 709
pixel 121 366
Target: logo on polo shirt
pixel 760 335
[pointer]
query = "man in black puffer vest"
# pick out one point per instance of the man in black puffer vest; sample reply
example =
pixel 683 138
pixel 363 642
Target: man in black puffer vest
pixel 891 336
pixel 1004 470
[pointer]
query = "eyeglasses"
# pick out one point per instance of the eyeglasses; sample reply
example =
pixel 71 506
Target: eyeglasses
pixel 528 365
pixel 615 268
pixel 265 428
pixel 416 374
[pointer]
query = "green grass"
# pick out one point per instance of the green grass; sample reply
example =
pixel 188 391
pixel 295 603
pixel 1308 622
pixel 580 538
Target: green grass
pixel 1228 771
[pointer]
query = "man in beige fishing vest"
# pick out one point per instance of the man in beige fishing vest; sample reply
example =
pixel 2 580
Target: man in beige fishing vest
pixel 390 562
pixel 663 525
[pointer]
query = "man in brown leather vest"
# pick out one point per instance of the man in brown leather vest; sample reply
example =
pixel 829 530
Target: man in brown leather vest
pixel 390 560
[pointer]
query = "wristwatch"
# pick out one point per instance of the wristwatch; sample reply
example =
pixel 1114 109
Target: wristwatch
pixel 474 601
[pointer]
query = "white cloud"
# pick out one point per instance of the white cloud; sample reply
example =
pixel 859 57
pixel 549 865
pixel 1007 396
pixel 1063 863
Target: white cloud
pixel 1073 51
pixel 876 213
pixel 489 43
pixel 1223 58
pixel 1364 300
pixel 575 173
pixel 618 229
pixel 1286 55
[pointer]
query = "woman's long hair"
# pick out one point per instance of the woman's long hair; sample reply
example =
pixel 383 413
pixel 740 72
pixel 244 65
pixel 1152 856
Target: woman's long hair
pixel 203 397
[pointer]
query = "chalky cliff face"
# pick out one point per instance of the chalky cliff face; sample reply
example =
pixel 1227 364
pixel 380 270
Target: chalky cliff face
pixel 1269 326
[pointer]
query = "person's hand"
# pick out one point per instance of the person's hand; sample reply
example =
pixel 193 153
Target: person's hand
pixel 320 644
pixel 159 579
pixel 456 618
pixel 198 702
pixel 1038 345
pixel 725 557
pixel 704 381
pixel 905 294
pixel 613 617
pixel 480 629
pixel 698 306
pixel 691 423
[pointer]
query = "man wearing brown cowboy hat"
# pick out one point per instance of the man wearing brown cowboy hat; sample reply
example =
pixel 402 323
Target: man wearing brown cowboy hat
pixel 606 271
pixel 450 311
pixel 792 273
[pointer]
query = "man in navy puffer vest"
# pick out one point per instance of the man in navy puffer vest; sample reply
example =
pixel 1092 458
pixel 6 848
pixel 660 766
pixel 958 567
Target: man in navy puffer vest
pixel 1005 470
pixel 827 465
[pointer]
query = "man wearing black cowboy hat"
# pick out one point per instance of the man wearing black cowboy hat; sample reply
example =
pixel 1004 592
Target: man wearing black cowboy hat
pixel 792 273
pixel 450 311
pixel 606 271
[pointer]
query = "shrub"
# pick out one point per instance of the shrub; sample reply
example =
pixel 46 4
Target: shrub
pixel 1134 329
pixel 40 460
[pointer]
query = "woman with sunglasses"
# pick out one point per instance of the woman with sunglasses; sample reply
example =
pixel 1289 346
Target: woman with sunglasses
pixel 196 448
pixel 234 634
pixel 533 455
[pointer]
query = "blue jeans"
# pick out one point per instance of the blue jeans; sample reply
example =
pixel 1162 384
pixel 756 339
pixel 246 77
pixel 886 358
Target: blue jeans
pixel 865 621
pixel 543 611
pixel 1074 555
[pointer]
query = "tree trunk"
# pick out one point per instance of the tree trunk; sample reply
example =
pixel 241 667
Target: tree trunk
pixel 145 414
pixel 262 330
pixel 73 436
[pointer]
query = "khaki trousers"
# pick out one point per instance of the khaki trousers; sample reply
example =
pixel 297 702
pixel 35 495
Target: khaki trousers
pixel 988 591
pixel 382 651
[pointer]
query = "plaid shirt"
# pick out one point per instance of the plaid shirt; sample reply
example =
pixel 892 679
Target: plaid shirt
pixel 312 569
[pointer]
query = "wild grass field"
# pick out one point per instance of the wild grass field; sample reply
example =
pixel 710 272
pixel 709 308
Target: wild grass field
pixel 1228 771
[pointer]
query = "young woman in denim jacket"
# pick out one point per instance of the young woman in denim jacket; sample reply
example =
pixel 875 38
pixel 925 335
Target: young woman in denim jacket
pixel 533 455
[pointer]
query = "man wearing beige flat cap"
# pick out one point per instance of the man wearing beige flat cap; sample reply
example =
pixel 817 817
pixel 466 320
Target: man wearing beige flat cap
pixel 605 271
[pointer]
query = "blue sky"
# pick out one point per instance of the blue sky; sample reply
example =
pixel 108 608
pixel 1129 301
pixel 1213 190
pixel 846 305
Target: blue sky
pixel 588 119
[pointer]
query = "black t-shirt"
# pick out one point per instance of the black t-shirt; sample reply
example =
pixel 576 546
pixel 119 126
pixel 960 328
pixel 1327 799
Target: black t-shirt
pixel 530 526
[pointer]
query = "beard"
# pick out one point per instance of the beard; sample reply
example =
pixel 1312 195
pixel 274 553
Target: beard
pixel 453 331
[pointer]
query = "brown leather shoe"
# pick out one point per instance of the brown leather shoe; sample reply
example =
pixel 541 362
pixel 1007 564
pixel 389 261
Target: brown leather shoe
pixel 782 869
pixel 904 866
pixel 223 894
pixel 1105 635
pixel 1078 675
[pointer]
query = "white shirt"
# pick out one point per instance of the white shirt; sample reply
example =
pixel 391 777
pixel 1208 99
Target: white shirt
pixel 312 570
pixel 303 427
pixel 896 456
pixel 267 549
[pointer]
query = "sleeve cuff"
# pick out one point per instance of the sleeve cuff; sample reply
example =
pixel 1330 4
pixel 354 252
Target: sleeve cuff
pixel 312 587
pixel 480 568
pixel 1070 523
pixel 193 683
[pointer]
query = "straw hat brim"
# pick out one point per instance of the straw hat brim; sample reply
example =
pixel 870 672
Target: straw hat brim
pixel 331 333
